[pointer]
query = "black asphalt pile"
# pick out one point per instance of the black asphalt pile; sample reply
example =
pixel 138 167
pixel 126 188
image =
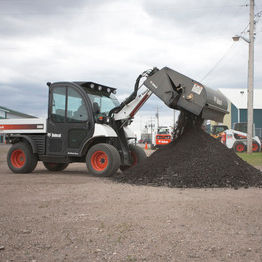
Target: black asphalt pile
pixel 194 159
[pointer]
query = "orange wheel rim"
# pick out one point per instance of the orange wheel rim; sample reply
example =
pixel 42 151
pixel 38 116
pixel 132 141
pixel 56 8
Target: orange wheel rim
pixel 240 148
pixel 99 160
pixel 254 147
pixel 18 158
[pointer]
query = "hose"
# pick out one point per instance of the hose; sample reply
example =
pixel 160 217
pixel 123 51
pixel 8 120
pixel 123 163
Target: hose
pixel 134 93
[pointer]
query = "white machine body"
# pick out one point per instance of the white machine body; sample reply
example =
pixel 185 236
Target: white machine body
pixel 22 126
pixel 38 126
pixel 232 136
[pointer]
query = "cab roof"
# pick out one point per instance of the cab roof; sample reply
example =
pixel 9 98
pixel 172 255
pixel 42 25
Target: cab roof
pixel 90 85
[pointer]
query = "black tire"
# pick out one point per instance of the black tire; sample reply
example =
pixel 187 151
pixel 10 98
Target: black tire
pixel 55 166
pixel 20 158
pixel 255 146
pixel 239 147
pixel 102 160
pixel 138 156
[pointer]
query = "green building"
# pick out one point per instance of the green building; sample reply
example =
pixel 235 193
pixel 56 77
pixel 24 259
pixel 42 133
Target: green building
pixel 237 100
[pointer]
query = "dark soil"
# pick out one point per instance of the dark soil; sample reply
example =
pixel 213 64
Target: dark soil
pixel 194 159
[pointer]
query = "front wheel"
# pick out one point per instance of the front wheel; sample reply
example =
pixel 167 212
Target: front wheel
pixel 138 156
pixel 239 147
pixel 55 166
pixel 102 160
pixel 20 158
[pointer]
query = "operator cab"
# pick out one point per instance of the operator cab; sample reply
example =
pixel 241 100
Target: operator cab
pixel 217 129
pixel 74 108
pixel 162 130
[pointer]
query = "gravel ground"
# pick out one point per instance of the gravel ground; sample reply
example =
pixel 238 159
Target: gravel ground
pixel 72 216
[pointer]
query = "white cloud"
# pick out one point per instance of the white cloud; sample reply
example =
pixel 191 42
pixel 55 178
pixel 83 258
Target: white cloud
pixel 111 42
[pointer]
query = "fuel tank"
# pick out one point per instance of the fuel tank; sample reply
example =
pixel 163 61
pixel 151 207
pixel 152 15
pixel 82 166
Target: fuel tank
pixel 180 92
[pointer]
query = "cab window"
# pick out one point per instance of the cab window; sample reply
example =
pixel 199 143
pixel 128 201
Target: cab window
pixel 76 108
pixel 58 104
pixel 68 106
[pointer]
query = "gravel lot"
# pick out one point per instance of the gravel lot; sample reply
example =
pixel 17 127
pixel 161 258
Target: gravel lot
pixel 72 216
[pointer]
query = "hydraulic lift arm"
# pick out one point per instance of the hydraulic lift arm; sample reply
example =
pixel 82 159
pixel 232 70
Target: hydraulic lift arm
pixel 130 109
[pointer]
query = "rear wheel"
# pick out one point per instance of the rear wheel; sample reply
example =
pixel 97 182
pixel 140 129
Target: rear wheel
pixel 102 160
pixel 138 156
pixel 255 146
pixel 55 166
pixel 239 147
pixel 20 158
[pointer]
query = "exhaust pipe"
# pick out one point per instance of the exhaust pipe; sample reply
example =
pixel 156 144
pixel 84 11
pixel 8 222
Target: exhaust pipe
pixel 180 92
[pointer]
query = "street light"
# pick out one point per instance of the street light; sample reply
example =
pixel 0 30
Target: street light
pixel 250 42
pixel 237 37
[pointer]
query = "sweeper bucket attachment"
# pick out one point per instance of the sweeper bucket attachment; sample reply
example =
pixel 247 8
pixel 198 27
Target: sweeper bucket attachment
pixel 180 92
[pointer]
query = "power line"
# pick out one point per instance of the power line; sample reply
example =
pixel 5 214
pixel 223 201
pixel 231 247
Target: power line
pixel 256 19
pixel 217 63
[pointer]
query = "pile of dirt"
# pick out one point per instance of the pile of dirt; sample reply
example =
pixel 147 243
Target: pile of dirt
pixel 194 159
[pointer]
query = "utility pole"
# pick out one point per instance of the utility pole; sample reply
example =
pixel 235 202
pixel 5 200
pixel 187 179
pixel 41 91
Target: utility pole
pixel 174 119
pixel 151 126
pixel 157 118
pixel 250 78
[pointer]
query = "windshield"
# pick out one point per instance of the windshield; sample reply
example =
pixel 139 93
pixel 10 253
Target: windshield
pixel 105 103
pixel 163 130
pixel 219 129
